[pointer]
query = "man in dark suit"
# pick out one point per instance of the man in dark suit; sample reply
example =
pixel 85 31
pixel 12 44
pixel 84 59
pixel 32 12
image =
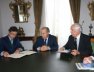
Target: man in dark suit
pixel 78 42
pixel 10 44
pixel 46 41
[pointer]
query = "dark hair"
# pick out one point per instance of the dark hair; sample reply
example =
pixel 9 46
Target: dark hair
pixel 13 28
pixel 48 30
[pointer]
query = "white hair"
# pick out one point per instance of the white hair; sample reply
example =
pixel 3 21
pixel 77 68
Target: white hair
pixel 76 26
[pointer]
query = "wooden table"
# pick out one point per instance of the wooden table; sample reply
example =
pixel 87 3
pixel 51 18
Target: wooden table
pixel 39 62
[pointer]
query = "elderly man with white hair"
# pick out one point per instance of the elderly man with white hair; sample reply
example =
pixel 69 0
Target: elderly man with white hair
pixel 78 43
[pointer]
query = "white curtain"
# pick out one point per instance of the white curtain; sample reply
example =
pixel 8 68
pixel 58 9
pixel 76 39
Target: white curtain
pixel 57 16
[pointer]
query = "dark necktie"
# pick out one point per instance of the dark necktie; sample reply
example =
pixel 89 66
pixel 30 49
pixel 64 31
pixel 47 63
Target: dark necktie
pixel 45 41
pixel 75 43
pixel 11 41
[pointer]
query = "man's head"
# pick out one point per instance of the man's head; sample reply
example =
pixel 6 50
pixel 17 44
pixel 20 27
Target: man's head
pixel 13 32
pixel 45 32
pixel 75 30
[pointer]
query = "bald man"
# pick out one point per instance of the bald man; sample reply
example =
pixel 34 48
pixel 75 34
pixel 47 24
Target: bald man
pixel 78 42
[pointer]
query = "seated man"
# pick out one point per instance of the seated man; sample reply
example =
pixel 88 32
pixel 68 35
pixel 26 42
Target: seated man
pixel 78 42
pixel 10 43
pixel 46 41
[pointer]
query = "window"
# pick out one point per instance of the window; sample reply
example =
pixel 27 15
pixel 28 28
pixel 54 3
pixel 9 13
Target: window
pixel 58 18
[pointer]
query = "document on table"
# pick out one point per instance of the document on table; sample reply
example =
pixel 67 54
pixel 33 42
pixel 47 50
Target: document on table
pixel 81 66
pixel 21 54
pixel 64 51
pixel 27 52
pixel 92 57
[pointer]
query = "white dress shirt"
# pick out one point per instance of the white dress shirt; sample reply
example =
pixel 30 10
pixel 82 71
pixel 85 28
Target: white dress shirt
pixel 78 40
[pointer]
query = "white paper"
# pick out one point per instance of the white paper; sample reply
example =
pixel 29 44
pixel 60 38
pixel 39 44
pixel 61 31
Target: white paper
pixel 21 54
pixel 92 57
pixel 16 55
pixel 27 52
pixel 80 67
pixel 64 51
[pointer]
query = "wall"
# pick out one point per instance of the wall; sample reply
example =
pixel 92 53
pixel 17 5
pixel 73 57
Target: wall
pixel 84 15
pixel 7 21
pixel 0 25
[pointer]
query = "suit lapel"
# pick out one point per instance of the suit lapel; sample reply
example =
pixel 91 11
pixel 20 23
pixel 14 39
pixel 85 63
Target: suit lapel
pixel 48 43
pixel 11 45
pixel 72 42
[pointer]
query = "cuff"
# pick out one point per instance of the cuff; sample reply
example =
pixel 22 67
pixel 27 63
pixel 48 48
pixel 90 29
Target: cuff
pixel 2 53
pixel 38 49
pixel 49 48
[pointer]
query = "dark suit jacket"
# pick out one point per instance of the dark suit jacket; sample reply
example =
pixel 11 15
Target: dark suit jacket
pixel 1 49
pixel 52 43
pixel 84 44
pixel 5 44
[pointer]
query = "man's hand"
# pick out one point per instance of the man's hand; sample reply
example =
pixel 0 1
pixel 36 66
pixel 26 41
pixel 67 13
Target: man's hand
pixel 75 52
pixel 44 48
pixel 5 54
pixel 17 51
pixel 87 60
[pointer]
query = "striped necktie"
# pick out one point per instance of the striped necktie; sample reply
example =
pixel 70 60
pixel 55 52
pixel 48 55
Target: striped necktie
pixel 45 41
pixel 11 41
pixel 75 43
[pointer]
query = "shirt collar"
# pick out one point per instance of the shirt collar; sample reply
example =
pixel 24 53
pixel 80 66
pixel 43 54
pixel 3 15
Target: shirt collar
pixel 10 38
pixel 46 38
pixel 78 37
